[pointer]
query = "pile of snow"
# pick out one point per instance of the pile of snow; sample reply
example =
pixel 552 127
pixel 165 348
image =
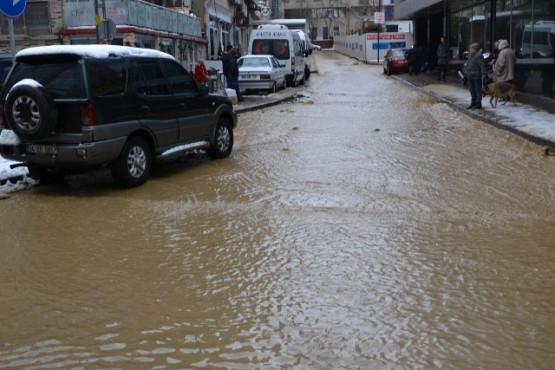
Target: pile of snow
pixel 8 137
pixel 19 173
pixel 6 172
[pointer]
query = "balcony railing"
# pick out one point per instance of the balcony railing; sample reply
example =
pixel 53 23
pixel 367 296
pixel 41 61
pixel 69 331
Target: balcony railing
pixel 79 13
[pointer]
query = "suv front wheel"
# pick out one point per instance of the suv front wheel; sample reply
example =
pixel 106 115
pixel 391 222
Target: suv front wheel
pixel 223 140
pixel 132 168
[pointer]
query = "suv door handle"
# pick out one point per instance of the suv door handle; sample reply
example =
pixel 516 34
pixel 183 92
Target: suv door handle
pixel 183 106
pixel 145 108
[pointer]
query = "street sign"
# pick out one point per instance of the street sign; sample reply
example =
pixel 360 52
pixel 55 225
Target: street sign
pixel 265 12
pixel 379 17
pixel 107 30
pixel 12 8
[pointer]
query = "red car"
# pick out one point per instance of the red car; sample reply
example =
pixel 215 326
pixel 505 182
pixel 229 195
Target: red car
pixel 395 60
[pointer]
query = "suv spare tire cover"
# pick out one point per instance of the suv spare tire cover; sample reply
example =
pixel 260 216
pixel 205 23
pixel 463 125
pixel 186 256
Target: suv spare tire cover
pixel 30 111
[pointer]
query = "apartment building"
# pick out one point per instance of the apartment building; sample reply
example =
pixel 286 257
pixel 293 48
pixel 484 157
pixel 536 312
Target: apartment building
pixel 186 29
pixel 337 17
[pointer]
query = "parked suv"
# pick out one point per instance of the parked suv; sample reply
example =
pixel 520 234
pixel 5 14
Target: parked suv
pixel 77 107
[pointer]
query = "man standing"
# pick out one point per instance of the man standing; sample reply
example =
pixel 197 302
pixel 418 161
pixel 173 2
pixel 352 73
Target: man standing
pixel 231 71
pixel 413 57
pixel 505 63
pixel 442 59
pixel 475 72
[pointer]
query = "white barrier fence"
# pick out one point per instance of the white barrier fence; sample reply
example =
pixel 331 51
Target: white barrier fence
pixel 371 47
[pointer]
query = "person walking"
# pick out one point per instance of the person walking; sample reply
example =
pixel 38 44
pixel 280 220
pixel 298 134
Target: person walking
pixel 231 70
pixel 505 63
pixel 475 72
pixel 201 74
pixel 442 59
pixel 413 57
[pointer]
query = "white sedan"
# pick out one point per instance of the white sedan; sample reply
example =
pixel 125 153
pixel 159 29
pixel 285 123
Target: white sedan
pixel 260 72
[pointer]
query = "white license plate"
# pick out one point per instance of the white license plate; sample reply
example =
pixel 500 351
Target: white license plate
pixel 40 149
pixel 249 77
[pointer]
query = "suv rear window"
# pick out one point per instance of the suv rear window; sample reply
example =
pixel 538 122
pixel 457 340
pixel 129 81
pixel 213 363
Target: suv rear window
pixel 64 80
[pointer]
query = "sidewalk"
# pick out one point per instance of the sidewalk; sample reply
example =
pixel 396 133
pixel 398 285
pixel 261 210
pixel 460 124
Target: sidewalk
pixel 532 118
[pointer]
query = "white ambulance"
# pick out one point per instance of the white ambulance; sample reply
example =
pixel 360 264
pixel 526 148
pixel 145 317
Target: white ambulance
pixel 285 45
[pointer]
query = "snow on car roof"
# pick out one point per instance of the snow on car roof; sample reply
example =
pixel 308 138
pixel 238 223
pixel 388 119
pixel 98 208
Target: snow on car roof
pixel 92 51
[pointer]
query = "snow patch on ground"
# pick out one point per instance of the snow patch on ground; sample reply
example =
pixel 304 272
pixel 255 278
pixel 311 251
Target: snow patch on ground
pixel 523 117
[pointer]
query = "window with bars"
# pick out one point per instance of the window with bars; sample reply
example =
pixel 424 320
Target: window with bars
pixel 35 20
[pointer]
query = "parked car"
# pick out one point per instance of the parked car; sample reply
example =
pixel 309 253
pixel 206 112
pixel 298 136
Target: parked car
pixel 78 107
pixel 395 61
pixel 261 72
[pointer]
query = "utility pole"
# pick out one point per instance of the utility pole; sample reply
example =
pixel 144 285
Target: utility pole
pixel 96 20
pixel 105 23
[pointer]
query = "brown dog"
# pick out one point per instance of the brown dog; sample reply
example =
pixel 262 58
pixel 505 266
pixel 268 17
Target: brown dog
pixel 498 90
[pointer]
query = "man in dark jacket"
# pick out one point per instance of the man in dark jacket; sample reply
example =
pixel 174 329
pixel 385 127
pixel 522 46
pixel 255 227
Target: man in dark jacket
pixel 231 71
pixel 475 72
pixel 442 59
pixel 413 57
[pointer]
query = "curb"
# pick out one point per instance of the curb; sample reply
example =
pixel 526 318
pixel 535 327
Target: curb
pixel 481 117
pixel 266 104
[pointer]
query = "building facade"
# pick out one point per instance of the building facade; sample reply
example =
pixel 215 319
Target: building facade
pixel 328 18
pixel 528 25
pixel 187 29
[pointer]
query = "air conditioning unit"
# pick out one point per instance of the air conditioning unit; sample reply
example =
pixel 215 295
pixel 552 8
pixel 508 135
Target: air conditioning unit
pixel 181 4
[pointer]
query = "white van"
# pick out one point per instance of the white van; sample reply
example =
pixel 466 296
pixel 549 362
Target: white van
pixel 543 42
pixel 306 50
pixel 285 45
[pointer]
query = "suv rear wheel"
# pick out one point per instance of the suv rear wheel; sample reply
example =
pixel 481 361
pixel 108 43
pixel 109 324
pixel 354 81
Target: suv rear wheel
pixel 31 111
pixel 133 165
pixel 223 140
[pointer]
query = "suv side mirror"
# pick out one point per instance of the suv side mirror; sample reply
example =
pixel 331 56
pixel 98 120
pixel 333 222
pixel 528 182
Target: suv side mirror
pixel 203 90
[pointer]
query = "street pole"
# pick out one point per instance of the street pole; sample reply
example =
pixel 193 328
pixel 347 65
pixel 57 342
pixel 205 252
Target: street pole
pixel 379 28
pixel 12 38
pixel 104 22
pixel 96 20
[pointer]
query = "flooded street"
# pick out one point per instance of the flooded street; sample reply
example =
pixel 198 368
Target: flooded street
pixel 361 226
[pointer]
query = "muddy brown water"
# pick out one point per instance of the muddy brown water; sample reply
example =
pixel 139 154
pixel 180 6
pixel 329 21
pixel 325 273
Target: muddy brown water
pixel 362 226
